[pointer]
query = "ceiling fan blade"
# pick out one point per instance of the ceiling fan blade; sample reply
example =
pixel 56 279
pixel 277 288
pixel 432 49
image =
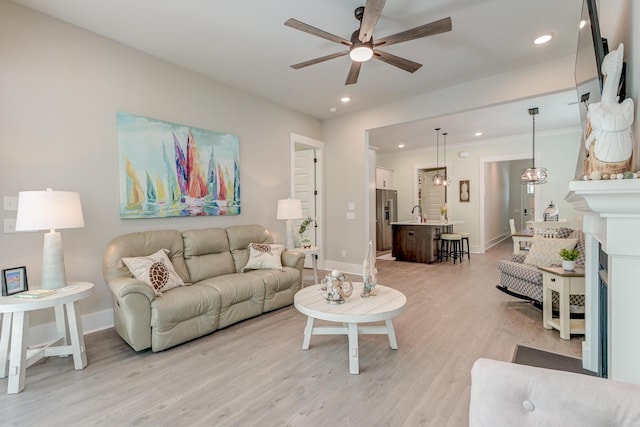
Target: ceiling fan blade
pixel 435 27
pixel 318 60
pixel 294 23
pixel 372 11
pixel 396 61
pixel 354 72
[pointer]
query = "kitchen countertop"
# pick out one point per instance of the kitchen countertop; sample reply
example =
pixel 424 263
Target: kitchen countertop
pixel 430 223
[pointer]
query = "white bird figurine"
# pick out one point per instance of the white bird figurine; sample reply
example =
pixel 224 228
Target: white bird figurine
pixel 610 120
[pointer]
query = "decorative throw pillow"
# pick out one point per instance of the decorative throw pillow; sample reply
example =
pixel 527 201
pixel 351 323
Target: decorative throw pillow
pixel 580 246
pixel 264 256
pixel 546 252
pixel 564 233
pixel 155 270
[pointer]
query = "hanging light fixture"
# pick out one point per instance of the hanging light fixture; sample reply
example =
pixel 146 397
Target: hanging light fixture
pixel 533 175
pixel 447 179
pixel 437 178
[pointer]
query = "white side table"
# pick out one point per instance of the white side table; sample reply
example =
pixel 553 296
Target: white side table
pixel 313 251
pixel 566 283
pixel 15 326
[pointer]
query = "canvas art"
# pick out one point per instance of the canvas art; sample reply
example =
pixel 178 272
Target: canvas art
pixel 169 170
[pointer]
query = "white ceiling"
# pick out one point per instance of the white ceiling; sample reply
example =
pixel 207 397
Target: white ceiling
pixel 244 43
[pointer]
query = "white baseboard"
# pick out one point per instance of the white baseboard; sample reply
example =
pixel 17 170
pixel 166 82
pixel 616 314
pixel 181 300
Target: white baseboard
pixel 342 267
pixel 91 322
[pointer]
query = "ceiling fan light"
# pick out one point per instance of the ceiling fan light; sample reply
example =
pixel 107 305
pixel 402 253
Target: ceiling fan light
pixel 361 52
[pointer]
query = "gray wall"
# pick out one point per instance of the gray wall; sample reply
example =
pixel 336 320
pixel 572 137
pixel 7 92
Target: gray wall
pixel 345 136
pixel 60 90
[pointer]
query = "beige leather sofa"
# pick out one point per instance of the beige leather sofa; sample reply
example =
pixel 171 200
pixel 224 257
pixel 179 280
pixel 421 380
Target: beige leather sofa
pixel 219 295
pixel 508 394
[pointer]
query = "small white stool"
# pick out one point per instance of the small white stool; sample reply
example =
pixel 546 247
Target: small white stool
pixel 465 237
pixel 450 246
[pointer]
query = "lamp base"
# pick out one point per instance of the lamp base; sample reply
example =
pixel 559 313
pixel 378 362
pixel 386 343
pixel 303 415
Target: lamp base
pixel 53 274
pixel 289 239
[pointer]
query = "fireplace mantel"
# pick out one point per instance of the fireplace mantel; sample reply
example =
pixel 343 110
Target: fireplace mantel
pixel 611 221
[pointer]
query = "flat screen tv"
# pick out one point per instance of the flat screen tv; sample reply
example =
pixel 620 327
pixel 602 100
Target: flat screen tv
pixel 590 53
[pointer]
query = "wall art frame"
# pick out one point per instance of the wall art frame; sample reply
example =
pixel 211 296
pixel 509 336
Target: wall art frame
pixel 172 170
pixel 465 193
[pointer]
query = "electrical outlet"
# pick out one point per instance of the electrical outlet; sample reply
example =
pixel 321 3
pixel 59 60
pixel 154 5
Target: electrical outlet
pixel 9 225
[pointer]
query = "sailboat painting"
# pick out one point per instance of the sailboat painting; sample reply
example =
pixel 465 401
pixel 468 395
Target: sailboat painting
pixel 173 170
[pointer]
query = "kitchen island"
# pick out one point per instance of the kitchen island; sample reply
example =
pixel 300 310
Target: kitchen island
pixel 415 241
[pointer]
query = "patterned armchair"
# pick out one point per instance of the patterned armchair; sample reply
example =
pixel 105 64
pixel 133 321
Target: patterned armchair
pixel 523 280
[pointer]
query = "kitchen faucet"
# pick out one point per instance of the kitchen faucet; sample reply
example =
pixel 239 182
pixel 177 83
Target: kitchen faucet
pixel 419 211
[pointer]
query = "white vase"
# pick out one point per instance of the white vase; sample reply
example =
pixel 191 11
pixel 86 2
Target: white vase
pixel 568 265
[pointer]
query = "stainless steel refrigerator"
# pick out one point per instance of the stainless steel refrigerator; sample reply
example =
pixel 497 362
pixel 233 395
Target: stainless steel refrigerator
pixel 386 213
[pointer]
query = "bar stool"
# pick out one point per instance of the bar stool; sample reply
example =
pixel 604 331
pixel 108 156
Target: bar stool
pixel 464 237
pixel 450 246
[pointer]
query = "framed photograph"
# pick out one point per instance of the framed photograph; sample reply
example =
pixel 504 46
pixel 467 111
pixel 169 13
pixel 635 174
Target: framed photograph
pixel 464 191
pixel 14 281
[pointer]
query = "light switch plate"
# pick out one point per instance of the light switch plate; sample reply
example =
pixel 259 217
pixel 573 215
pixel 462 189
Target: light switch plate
pixel 10 203
pixel 9 225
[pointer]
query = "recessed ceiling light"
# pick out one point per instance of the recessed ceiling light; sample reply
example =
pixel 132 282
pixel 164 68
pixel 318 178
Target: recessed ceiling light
pixel 400 145
pixel 543 39
pixel 477 134
pixel 345 99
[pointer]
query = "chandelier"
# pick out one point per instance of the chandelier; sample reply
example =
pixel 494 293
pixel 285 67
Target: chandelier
pixel 437 178
pixel 533 175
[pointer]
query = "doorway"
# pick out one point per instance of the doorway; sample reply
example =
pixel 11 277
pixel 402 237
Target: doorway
pixel 306 183
pixel 503 197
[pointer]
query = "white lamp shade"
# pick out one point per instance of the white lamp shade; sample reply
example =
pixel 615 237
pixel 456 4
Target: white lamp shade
pixel 48 210
pixel 289 209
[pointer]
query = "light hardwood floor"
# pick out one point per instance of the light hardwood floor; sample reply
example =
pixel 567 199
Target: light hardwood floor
pixel 256 374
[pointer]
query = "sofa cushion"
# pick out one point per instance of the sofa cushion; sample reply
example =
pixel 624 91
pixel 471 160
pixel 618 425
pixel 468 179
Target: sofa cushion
pixel 526 272
pixel 264 256
pixel 142 244
pixel 241 296
pixel 155 270
pixel 280 286
pixel 240 236
pixel 206 253
pixel 545 252
pixel 183 314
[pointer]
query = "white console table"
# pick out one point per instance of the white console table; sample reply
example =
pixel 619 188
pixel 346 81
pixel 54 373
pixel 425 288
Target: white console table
pixel 15 326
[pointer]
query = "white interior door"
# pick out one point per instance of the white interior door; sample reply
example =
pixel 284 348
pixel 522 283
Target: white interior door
pixel 306 185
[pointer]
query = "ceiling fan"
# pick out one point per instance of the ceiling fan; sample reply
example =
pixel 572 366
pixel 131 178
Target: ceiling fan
pixel 363 47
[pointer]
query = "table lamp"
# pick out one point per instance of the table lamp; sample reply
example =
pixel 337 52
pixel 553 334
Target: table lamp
pixel 50 210
pixel 289 209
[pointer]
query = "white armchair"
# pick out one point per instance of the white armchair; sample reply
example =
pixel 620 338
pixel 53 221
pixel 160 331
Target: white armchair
pixel 508 394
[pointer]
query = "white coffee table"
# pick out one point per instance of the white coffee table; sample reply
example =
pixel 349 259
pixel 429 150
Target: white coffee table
pixel 384 306
pixel 15 326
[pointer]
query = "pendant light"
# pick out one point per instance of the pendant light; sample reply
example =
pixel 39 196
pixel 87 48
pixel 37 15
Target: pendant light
pixel 447 179
pixel 533 175
pixel 437 178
